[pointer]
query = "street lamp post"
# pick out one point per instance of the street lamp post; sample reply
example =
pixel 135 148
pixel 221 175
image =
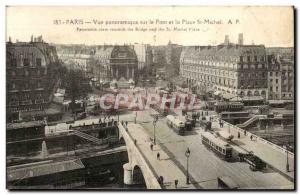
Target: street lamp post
pixel 154 125
pixel 287 159
pixel 187 154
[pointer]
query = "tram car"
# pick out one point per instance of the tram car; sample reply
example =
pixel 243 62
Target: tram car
pixel 255 163
pixel 220 147
pixel 228 106
pixel 176 124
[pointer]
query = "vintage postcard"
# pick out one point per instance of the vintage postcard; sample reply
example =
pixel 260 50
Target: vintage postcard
pixel 150 98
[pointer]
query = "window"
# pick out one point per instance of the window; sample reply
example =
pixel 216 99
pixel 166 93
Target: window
pixel 241 58
pixel 276 81
pixel 271 88
pixel 26 62
pixel 277 74
pixel 271 73
pixel 255 58
pixel 14 62
pixel 38 62
pixel 248 59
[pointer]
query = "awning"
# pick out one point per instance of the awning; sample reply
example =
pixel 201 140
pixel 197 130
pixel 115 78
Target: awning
pixel 280 101
pixel 228 96
pixel 236 99
pixel 15 173
pixel 253 98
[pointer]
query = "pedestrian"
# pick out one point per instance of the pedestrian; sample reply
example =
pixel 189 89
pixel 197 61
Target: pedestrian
pixel 239 135
pixel 176 183
pixel 161 178
pixel 245 132
pixel 158 156
pixel 134 141
pixel 251 137
pixel 151 147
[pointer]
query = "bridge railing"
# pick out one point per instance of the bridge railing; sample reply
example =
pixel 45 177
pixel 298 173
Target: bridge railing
pixel 274 146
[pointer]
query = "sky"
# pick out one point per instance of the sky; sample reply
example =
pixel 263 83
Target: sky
pixel 271 26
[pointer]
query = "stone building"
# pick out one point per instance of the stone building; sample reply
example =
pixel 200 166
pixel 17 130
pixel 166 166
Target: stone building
pixel 159 61
pixel 31 71
pixel 228 69
pixel 173 52
pixel 280 73
pixel 115 63
pixel 76 57
pixel 144 55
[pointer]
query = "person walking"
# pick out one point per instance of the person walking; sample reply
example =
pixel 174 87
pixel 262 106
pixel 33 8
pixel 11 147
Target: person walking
pixel 158 156
pixel 151 147
pixel 161 178
pixel 176 183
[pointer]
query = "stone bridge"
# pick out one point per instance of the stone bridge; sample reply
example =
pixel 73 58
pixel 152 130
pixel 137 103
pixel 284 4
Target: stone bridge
pixel 137 170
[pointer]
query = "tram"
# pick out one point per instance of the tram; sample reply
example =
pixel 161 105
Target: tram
pixel 176 124
pixel 220 147
pixel 228 106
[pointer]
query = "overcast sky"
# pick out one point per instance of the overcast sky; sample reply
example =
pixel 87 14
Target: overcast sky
pixel 271 26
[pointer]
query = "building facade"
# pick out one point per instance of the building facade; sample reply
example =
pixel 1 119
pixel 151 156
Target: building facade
pixel 115 62
pixel 31 75
pixel 280 73
pixel 173 52
pixel 231 69
pixel 76 57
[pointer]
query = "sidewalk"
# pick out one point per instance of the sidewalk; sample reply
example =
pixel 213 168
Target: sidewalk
pixel 165 166
pixel 277 159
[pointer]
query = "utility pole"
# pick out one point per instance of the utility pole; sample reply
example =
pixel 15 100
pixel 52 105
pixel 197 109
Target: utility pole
pixel 187 154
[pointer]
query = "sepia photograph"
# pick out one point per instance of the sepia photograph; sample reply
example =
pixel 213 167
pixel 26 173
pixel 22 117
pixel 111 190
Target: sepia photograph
pixel 128 98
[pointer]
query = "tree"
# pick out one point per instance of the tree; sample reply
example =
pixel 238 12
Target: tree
pixel 76 86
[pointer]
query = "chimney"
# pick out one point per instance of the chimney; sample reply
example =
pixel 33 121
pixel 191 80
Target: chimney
pixel 226 41
pixel 9 39
pixel 241 39
pixel 31 38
